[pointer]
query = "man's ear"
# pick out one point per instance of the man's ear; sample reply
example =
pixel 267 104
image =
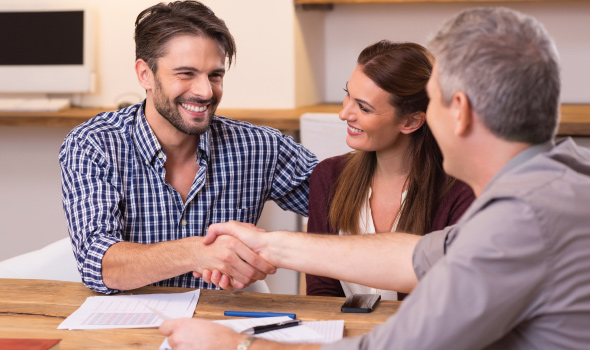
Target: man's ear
pixel 463 113
pixel 414 121
pixel 144 74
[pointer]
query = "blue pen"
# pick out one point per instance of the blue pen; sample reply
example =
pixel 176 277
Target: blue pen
pixel 257 314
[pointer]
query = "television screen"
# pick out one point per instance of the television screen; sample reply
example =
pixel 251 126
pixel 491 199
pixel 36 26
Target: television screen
pixel 45 49
pixel 42 38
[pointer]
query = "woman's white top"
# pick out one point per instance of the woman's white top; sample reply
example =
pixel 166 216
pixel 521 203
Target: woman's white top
pixel 368 227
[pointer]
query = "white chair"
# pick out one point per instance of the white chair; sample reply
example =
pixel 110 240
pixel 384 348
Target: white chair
pixel 257 287
pixel 56 261
pixel 324 134
pixel 53 262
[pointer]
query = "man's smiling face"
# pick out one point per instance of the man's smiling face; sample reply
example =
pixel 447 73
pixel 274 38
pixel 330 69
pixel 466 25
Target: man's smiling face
pixel 188 84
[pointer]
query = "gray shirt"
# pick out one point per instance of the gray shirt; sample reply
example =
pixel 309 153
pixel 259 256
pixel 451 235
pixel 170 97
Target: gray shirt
pixel 513 273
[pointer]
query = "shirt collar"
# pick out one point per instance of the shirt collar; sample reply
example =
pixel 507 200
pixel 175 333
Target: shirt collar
pixel 150 147
pixel 204 148
pixel 146 140
pixel 522 158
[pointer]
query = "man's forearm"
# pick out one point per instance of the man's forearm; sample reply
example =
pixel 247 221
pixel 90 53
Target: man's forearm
pixel 381 261
pixel 128 265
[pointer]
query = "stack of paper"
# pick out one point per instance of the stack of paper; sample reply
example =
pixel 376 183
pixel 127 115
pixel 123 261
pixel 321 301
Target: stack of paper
pixel 131 311
pixel 150 310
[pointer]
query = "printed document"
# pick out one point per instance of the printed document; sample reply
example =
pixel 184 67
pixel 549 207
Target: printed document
pixel 131 311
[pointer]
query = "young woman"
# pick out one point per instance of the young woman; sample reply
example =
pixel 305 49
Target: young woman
pixel 394 180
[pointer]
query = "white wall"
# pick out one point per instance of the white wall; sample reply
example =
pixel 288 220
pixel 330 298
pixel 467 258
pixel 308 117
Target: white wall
pixel 288 58
pixel 263 76
pixel 31 214
pixel 350 28
pixel 310 57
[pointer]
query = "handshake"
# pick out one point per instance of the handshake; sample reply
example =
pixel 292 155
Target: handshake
pixel 237 254
pixel 243 255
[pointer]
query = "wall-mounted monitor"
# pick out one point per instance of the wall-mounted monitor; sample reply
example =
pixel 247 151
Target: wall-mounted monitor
pixel 46 50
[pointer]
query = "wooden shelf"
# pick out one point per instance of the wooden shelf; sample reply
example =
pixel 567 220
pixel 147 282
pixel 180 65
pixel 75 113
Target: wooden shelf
pixel 575 118
pixel 69 117
pixel 282 119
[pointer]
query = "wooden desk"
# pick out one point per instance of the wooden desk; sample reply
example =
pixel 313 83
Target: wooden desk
pixel 34 309
pixel 575 118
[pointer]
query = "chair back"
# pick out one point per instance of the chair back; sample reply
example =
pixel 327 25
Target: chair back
pixel 257 287
pixel 55 261
pixel 324 134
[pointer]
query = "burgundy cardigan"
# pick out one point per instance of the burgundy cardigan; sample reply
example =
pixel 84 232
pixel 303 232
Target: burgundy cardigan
pixel 324 176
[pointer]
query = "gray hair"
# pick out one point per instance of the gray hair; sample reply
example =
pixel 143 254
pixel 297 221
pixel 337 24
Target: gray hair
pixel 507 65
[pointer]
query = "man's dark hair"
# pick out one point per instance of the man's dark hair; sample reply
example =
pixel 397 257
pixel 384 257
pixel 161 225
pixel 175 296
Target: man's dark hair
pixel 156 25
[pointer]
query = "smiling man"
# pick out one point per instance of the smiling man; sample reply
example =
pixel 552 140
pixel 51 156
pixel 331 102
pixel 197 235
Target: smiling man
pixel 142 185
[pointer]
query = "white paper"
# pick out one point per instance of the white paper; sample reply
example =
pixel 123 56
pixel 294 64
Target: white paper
pixel 331 331
pixel 309 332
pixel 296 334
pixel 131 311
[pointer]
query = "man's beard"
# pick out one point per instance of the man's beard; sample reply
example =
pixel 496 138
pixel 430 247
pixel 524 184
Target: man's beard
pixel 169 111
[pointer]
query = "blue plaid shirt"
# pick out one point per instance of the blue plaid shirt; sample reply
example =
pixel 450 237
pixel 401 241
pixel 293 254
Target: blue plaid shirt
pixel 114 188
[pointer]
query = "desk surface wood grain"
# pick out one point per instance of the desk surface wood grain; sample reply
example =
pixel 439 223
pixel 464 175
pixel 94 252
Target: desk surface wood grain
pixel 34 309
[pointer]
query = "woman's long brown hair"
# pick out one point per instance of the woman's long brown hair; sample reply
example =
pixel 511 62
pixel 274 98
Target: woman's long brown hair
pixel 401 69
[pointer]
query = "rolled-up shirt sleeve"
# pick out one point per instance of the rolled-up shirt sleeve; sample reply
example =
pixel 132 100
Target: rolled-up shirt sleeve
pixel 429 250
pixel 92 207
pixel 290 184
pixel 491 277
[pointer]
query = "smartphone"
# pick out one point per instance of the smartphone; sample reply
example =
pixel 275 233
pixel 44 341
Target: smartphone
pixel 360 303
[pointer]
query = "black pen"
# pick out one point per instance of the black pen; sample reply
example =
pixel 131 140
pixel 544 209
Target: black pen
pixel 272 327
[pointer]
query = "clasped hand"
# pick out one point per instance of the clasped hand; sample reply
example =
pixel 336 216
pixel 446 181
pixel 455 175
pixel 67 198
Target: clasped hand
pixel 253 265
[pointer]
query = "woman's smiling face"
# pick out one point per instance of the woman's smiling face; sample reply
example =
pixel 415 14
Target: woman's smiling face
pixel 372 121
